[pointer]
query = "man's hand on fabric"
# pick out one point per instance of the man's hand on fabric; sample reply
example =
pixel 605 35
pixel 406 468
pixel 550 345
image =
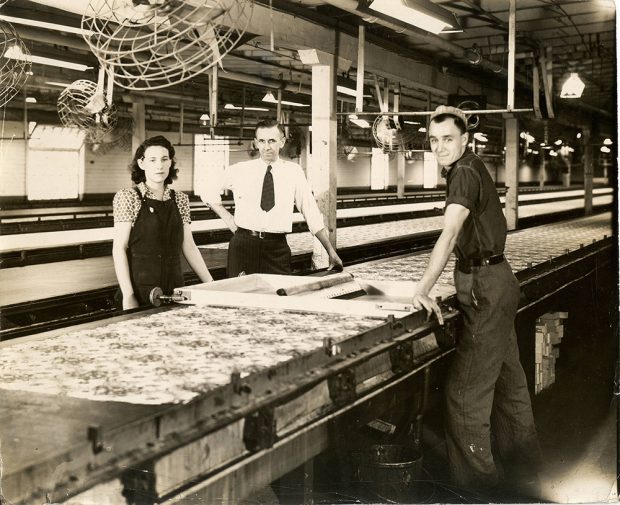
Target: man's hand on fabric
pixel 335 263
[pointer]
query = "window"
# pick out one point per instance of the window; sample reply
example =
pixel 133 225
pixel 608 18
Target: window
pixel 55 163
pixel 211 157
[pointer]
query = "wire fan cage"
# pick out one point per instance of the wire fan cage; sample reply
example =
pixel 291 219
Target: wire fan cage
pixel 14 63
pixel 152 44
pixel 83 105
pixel 118 138
pixel 394 136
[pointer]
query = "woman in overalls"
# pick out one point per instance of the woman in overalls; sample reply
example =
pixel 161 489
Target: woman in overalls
pixel 152 227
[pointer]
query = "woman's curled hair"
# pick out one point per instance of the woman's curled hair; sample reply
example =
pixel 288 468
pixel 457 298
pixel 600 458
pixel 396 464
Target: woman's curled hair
pixel 137 174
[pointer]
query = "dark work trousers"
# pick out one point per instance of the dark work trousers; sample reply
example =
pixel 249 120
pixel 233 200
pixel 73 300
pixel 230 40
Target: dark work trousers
pixel 486 389
pixel 254 255
pixel 155 248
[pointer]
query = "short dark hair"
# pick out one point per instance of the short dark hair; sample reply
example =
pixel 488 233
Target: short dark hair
pixel 457 121
pixel 269 123
pixel 137 174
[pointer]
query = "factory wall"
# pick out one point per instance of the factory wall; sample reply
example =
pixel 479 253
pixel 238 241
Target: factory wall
pixel 106 170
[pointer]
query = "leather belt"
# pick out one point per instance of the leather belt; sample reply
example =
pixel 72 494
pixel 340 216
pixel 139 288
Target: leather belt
pixel 466 265
pixel 261 234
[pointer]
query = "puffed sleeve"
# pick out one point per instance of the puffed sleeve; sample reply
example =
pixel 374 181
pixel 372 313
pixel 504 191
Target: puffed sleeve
pixel 125 205
pixel 183 204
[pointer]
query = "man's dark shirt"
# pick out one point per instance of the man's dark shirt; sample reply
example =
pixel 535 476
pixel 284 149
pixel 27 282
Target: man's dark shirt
pixel 470 185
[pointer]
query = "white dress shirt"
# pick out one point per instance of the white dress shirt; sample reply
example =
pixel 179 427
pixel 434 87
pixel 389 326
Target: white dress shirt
pixel 245 179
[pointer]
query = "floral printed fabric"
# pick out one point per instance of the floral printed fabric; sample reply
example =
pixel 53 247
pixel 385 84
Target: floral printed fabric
pixel 534 245
pixel 126 203
pixel 171 356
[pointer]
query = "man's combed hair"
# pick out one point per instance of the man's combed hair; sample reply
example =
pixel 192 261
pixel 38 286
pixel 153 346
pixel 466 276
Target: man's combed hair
pixel 269 123
pixel 137 174
pixel 457 121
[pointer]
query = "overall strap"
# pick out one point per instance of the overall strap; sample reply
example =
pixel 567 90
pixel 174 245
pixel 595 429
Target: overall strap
pixel 141 196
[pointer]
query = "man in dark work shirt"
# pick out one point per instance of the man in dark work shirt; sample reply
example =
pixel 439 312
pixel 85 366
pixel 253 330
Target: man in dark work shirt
pixel 486 389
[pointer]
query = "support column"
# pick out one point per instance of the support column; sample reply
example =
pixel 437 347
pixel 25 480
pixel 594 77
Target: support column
pixel 139 125
pixel 543 157
pixel 512 171
pixel 588 172
pixel 400 175
pixel 26 144
pixel 512 30
pixel 322 169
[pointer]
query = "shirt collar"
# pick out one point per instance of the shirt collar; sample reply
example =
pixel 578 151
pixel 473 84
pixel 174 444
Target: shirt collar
pixel 273 164
pixel 446 170
pixel 145 191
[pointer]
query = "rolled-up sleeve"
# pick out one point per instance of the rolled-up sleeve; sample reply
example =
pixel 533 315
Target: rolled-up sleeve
pixel 464 188
pixel 212 194
pixel 306 204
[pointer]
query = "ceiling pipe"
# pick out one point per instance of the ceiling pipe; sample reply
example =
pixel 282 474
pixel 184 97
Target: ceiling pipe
pixel 417 36
pixel 45 36
pixel 351 6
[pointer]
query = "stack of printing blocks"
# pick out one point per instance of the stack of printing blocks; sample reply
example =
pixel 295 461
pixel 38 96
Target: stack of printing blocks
pixel 549 333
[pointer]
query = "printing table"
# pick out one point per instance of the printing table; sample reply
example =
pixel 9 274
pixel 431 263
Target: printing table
pixel 210 399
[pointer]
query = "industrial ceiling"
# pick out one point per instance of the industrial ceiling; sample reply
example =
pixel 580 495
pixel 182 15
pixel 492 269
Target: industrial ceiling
pixel 554 36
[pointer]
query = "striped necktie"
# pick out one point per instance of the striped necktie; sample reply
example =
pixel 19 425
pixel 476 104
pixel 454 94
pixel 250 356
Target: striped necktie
pixel 267 200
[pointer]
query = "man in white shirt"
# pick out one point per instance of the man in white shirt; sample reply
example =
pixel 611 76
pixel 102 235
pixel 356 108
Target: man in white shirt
pixel 265 191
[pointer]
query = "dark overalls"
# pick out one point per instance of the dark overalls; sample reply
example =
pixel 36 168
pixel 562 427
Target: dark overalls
pixel 486 390
pixel 155 247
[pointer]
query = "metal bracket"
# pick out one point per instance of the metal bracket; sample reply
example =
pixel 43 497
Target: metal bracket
pixel 342 387
pixel 95 435
pixel 237 385
pixel 259 429
pixel 330 347
pixel 401 357
pixel 139 484
pixel 446 334
pixel 395 324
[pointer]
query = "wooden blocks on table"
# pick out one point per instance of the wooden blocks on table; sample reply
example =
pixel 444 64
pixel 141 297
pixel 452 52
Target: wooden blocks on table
pixel 549 333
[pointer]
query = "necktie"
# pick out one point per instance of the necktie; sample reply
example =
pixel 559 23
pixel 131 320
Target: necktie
pixel 267 199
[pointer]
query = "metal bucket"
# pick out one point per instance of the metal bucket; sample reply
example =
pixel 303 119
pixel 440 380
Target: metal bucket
pixel 391 472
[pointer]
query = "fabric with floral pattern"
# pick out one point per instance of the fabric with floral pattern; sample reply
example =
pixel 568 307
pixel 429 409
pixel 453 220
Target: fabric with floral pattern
pixel 126 203
pixel 170 356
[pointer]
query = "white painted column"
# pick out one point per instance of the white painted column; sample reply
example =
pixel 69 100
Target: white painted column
pixel 512 171
pixel 139 124
pixel 542 173
pixel 322 168
pixel 400 175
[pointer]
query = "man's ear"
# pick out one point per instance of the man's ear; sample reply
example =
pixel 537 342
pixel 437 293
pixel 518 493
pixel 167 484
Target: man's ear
pixel 465 139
